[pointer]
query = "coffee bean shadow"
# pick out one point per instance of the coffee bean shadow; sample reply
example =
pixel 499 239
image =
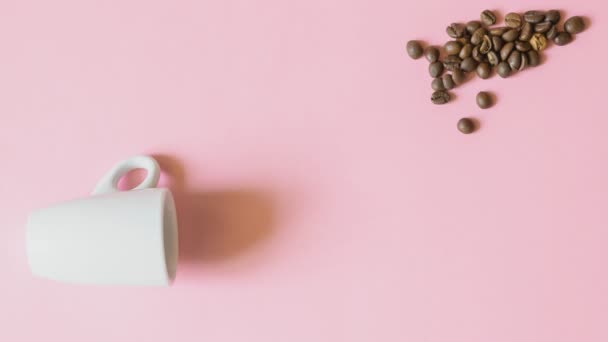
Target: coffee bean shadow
pixel 542 58
pixel 499 17
pixel 221 225
pixel 453 96
pixel 476 123
pixel 564 15
pixel 587 21
pixel 214 226
pixel 494 98
pixel 470 76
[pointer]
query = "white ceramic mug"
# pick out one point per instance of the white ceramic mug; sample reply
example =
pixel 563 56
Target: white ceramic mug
pixel 110 238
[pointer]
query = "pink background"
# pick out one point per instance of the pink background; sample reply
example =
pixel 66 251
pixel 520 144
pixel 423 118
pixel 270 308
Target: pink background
pixel 321 196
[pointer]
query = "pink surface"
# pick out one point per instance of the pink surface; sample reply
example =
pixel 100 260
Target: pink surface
pixel 321 196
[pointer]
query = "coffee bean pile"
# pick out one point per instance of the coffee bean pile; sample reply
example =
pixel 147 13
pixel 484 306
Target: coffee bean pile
pixel 480 47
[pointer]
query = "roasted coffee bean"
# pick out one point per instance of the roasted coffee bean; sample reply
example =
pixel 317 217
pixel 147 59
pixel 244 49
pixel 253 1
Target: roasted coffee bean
pixel 488 18
pixel 486 45
pixel 493 58
pixel 414 49
pixel 484 100
pixel 534 16
pixel 477 36
pixel 448 81
pixel 526 32
pixel 468 64
pixel 551 33
pixel 431 54
pixel 466 51
pixel 498 31
pixel 522 46
pixel 543 26
pixel 458 77
pixel 553 16
pixel 524 61
pixel 435 69
pixel 440 97
pixel 476 54
pixel 452 47
pixel 455 30
pixel 506 51
pixel 533 58
pixel 511 35
pixel 437 84
pixel 464 40
pixel 574 25
pixel 466 125
pixel 562 38
pixel 484 70
pixel 452 63
pixel 472 26
pixel 514 60
pixel 503 69
pixel 497 43
pixel 538 41
pixel 513 20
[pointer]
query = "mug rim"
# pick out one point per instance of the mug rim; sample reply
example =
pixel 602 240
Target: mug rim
pixel 169 234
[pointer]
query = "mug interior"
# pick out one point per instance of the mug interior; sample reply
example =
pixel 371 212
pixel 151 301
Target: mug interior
pixel 170 236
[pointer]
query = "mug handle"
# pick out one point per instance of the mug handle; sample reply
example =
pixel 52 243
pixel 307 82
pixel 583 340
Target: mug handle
pixel 109 182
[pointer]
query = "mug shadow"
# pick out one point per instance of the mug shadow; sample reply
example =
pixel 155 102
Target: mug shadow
pixel 214 226
pixel 217 226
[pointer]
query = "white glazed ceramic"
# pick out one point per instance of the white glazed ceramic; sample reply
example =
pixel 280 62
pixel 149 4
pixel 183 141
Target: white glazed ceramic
pixel 110 238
